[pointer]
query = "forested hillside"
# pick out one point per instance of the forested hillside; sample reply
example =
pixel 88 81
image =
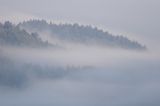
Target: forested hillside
pixel 76 33
pixel 12 35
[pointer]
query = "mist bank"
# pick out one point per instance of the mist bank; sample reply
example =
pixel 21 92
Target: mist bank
pixel 78 76
pixel 22 66
pixel 113 77
pixel 77 55
pixel 19 73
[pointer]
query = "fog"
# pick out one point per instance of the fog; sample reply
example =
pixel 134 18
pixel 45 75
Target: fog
pixel 94 76
pixel 76 74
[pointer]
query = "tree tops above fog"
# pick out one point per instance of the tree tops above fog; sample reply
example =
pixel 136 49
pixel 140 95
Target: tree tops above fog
pixel 12 35
pixel 81 34
pixel 73 33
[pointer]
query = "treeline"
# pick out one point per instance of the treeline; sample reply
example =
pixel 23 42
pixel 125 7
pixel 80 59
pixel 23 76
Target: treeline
pixel 81 34
pixel 12 35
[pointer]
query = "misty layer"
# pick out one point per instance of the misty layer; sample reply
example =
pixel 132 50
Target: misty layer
pixel 118 77
pixel 21 66
pixel 16 74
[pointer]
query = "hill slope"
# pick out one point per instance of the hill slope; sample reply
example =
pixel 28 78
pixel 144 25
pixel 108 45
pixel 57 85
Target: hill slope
pixel 81 34
pixel 12 35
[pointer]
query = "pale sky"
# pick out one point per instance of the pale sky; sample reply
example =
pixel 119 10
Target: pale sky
pixel 139 19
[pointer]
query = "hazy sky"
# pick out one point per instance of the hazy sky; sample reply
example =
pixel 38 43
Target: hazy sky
pixel 138 18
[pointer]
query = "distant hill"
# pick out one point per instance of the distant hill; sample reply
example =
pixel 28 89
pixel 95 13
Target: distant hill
pixel 81 34
pixel 12 35
pixel 18 75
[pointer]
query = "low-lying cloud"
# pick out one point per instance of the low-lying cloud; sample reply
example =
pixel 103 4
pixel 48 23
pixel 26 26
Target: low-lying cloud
pixel 95 76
